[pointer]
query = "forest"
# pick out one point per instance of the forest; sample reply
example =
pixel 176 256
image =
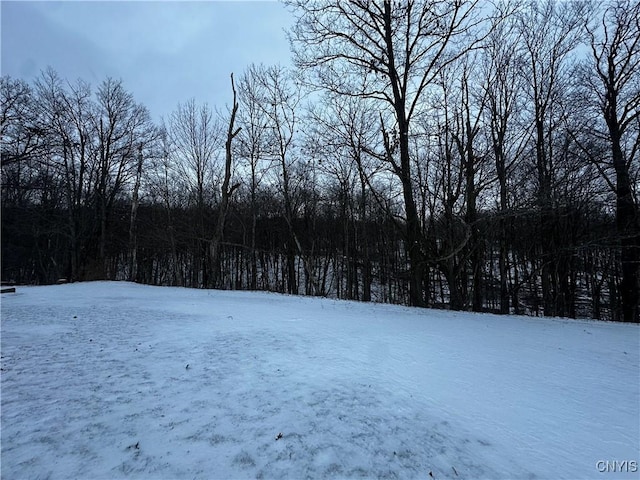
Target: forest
pixel 435 153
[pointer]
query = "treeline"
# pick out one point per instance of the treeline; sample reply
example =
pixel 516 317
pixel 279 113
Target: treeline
pixel 431 153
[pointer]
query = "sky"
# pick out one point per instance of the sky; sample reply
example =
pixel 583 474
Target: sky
pixel 165 52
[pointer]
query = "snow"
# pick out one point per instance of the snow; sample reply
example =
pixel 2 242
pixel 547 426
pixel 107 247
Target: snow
pixel 118 380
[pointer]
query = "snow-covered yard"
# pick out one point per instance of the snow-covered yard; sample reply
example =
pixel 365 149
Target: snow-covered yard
pixel 117 380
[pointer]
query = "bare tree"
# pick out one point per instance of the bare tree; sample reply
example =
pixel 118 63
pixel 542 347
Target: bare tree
pixel 254 149
pixel 133 225
pixel 168 189
pixel 67 115
pixel 549 31
pixel 20 134
pixel 615 82
pixel 121 126
pixel 279 97
pixel 502 57
pixel 392 52
pixel 341 133
pixel 195 138
pixel 227 189
pixel 22 140
pixel 472 153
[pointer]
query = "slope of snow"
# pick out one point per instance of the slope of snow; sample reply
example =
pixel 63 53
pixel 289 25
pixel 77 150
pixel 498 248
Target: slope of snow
pixel 117 380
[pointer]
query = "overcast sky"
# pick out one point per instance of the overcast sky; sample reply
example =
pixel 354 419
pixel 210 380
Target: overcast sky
pixel 164 51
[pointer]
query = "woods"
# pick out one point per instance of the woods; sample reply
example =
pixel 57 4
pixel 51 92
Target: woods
pixel 430 153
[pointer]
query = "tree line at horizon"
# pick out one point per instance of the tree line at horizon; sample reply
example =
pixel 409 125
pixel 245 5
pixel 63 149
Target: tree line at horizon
pixel 432 153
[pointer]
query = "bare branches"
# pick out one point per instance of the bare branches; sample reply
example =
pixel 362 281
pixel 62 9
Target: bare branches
pixel 397 47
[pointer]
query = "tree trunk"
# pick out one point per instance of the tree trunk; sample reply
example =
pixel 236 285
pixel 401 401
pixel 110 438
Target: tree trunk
pixel 133 237
pixel 628 231
pixel 227 191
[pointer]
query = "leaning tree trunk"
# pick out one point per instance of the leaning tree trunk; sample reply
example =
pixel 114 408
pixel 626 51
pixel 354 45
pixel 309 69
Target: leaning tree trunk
pixel 226 191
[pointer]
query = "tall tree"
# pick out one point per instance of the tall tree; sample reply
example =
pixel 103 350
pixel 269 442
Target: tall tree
pixel 341 132
pixel 133 224
pixel 279 97
pixel 501 60
pixel 121 125
pixel 226 189
pixel 67 115
pixel 253 151
pixel 195 137
pixel 549 31
pixel 615 82
pixel 167 188
pixel 469 115
pixel 392 52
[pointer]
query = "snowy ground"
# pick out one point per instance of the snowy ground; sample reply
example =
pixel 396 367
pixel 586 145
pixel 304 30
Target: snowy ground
pixel 116 380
